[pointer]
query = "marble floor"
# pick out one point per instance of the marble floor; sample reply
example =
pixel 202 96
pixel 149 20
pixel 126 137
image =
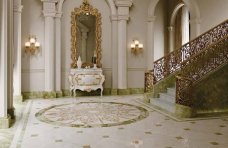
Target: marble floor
pixel 108 122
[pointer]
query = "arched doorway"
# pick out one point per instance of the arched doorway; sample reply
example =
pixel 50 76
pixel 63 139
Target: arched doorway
pixel 194 18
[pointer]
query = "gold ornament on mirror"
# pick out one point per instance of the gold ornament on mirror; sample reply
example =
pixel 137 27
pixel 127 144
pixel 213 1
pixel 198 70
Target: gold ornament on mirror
pixel 87 9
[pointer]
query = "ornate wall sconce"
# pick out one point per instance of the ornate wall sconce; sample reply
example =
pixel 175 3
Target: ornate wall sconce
pixel 136 47
pixel 32 46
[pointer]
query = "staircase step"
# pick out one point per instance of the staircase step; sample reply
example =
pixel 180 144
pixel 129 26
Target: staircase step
pixel 165 97
pixel 171 91
pixel 163 105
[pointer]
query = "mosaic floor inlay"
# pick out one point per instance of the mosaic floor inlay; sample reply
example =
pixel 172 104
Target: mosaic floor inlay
pixel 92 114
pixel 155 131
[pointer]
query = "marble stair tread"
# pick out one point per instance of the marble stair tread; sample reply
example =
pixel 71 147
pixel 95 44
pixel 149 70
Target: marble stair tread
pixel 165 97
pixel 163 104
pixel 171 91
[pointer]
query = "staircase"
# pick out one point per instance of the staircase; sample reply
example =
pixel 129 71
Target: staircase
pixel 184 68
pixel 166 101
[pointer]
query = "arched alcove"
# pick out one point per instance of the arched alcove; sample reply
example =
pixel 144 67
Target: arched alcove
pixel 160 30
pixel 109 2
pixel 107 9
pixel 152 18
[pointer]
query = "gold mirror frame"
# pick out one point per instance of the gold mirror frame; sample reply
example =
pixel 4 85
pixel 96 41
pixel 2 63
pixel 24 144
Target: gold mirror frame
pixel 83 9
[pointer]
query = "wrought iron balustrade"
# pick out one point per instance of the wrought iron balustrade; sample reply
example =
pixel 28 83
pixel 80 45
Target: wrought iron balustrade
pixel 171 63
pixel 197 67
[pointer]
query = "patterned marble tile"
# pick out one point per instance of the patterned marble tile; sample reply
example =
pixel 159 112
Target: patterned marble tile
pixel 5 138
pixel 156 130
pixel 92 114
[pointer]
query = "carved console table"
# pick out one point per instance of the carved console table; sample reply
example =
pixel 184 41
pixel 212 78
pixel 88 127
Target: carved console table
pixel 86 79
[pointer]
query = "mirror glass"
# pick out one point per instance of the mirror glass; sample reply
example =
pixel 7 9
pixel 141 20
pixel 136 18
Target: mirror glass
pixel 86 36
pixel 86 26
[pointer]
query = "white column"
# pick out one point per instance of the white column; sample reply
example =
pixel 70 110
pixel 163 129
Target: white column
pixel 58 53
pixel 122 54
pixel 185 25
pixel 3 60
pixel 49 53
pixel 17 50
pixel 171 38
pixel 6 62
pixel 114 21
pixel 150 43
pixel 123 16
pixel 49 14
pixel 195 28
pixel 10 55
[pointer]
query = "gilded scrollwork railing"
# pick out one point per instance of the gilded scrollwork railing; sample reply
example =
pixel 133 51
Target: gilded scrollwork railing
pixel 171 63
pixel 183 90
pixel 148 81
pixel 197 67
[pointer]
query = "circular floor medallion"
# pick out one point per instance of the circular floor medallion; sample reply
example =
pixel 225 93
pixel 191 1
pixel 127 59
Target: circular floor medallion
pixel 92 114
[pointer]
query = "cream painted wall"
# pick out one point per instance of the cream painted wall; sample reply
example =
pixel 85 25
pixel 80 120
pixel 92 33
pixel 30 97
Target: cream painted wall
pixel 137 29
pixel 32 66
pixel 212 13
pixel 104 9
pixel 161 30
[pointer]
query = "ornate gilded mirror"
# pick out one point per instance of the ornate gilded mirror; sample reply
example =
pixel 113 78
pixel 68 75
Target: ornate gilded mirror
pixel 86 35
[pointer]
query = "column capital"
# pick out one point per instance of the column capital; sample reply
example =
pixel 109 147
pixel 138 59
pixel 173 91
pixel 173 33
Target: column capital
pixel 151 18
pixel 58 14
pixel 123 17
pixel 49 1
pixel 49 13
pixel 17 8
pixel 49 8
pixel 123 3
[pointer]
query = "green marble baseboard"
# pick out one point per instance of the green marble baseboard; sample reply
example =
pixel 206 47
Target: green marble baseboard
pixel 67 93
pixel 32 95
pixel 123 91
pixel 114 92
pixel 130 91
pixel 136 90
pixel 5 122
pixel 49 94
pixel 59 94
pixel 184 111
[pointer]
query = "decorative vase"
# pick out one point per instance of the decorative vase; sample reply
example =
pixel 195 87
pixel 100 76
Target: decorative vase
pixel 79 62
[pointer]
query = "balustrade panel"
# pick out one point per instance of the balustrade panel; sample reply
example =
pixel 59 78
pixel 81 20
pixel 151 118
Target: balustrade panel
pixel 173 61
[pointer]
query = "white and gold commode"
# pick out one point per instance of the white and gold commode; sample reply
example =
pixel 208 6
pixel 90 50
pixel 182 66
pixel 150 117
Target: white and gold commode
pixel 86 79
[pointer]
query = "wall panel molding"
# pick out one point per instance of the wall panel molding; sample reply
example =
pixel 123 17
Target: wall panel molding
pixel 33 70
